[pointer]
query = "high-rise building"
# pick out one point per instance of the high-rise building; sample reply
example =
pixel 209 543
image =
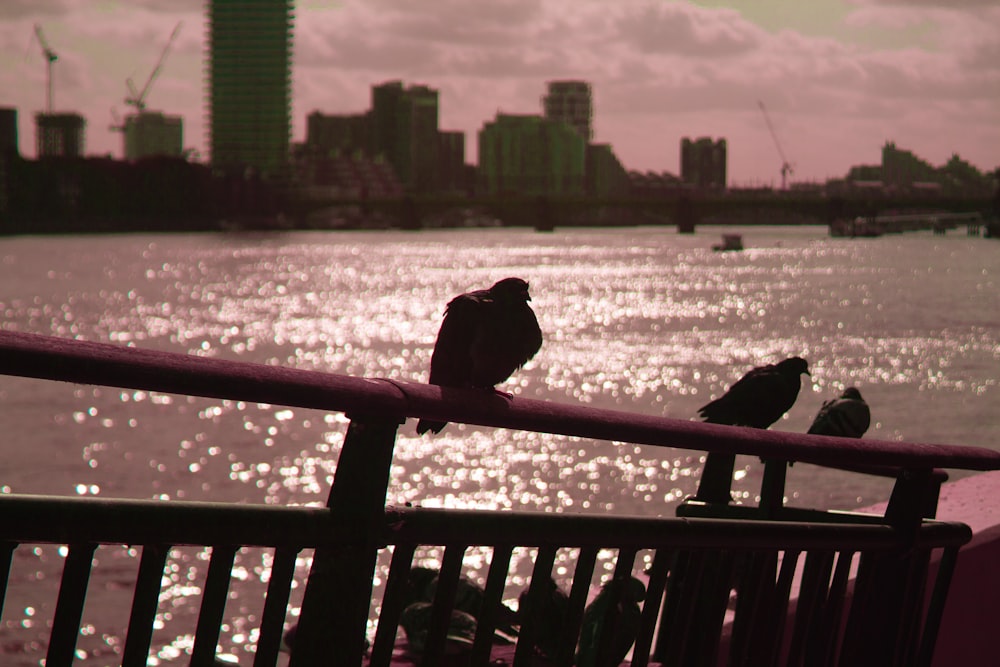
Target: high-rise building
pixel 249 49
pixel 570 102
pixel 404 127
pixel 703 162
pixel 605 175
pixel 531 155
pixel 151 133
pixel 59 134
pixel 451 158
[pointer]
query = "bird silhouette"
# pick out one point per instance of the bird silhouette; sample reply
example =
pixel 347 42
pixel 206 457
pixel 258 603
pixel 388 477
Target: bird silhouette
pixel 846 416
pixel 759 398
pixel 615 610
pixel 485 336
pixel 548 618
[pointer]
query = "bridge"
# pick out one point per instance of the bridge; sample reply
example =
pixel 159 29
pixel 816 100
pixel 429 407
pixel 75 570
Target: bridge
pixel 685 209
pixel 938 221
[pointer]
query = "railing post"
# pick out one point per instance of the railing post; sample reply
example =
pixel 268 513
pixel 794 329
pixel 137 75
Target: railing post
pixel 716 482
pixel 338 594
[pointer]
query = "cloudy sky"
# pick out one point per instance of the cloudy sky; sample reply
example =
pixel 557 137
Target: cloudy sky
pixel 839 78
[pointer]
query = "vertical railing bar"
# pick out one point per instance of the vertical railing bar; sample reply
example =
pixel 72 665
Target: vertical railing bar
pixel 858 616
pixel 69 604
pixel 618 586
pixel 496 581
pixel 662 561
pixel 540 575
pixel 935 608
pixel 763 623
pixel 718 601
pixel 779 610
pixel 680 597
pixel 444 603
pixel 145 601
pixel 833 615
pixel 913 606
pixel 815 575
pixel 272 618
pixel 337 599
pixel 674 624
pixel 393 601
pixel 582 576
pixel 6 557
pixel 213 605
pixel 747 593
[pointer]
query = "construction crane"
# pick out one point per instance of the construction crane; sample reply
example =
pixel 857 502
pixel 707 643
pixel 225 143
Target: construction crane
pixel 117 125
pixel 786 167
pixel 50 57
pixel 137 98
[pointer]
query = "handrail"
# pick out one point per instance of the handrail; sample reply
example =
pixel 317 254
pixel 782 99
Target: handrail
pixel 45 357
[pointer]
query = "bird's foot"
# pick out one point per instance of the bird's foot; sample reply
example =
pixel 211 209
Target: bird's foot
pixel 506 394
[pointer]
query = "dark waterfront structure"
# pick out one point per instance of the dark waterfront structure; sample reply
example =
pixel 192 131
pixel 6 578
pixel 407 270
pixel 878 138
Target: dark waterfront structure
pixel 571 102
pixel 8 132
pixel 249 85
pixel 530 155
pixel 405 132
pixel 400 130
pixel 59 134
pixel 703 162
pixel 151 134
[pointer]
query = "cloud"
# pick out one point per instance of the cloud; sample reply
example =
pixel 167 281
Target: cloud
pixel 688 30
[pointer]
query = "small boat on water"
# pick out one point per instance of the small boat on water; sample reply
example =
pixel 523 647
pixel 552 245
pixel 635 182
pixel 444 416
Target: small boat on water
pixel 729 242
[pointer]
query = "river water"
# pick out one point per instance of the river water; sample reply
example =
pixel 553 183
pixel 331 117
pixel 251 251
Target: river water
pixel 639 319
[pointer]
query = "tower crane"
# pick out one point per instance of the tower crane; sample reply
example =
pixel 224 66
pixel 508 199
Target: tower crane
pixel 137 98
pixel 50 57
pixel 786 167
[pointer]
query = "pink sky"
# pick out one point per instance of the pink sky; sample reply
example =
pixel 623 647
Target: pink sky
pixel 839 78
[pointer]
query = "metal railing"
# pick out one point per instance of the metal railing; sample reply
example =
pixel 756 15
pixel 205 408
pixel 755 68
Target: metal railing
pixel 871 590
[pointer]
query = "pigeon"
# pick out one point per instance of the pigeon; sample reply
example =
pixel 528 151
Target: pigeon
pixel 616 610
pixel 548 619
pixel 846 416
pixel 759 398
pixel 486 335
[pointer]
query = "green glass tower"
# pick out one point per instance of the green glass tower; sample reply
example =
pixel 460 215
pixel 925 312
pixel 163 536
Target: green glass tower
pixel 249 51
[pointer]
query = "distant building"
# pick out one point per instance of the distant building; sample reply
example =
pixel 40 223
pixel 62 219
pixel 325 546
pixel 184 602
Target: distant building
pixel 336 135
pixel 703 163
pixel 59 134
pixel 8 131
pixel 570 102
pixel 151 133
pixel 249 51
pixel 531 155
pixel 451 157
pixel 900 168
pixel 605 175
pixel 405 131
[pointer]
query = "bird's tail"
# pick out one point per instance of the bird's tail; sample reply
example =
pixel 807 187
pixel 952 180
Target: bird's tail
pixel 425 425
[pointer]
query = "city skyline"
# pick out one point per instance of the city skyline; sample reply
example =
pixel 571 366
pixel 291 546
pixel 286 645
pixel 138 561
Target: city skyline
pixel 839 79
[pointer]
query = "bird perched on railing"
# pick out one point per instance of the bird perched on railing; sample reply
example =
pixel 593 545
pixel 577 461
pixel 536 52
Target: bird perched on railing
pixel 759 398
pixel 846 416
pixel 486 335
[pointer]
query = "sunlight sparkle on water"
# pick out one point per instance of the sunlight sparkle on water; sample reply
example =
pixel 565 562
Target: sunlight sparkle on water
pixel 638 319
